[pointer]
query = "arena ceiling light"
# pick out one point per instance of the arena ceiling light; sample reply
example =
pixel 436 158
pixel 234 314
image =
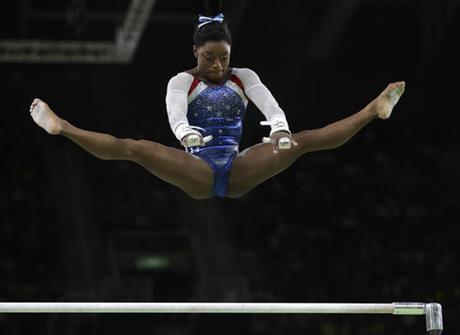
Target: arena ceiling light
pixel 121 50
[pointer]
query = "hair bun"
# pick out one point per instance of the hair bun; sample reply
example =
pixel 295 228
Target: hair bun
pixel 211 29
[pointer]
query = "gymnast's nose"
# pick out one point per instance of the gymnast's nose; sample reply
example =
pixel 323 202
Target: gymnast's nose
pixel 217 65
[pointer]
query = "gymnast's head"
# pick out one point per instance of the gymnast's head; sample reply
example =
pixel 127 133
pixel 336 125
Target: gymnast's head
pixel 212 46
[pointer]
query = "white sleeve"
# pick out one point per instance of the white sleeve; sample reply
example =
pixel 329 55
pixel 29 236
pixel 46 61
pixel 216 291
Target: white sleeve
pixel 176 104
pixel 259 94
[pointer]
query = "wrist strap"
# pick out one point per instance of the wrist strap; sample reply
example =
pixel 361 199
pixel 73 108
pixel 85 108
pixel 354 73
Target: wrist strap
pixel 277 123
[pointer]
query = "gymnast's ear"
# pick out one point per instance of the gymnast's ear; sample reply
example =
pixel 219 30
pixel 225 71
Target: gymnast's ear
pixel 195 51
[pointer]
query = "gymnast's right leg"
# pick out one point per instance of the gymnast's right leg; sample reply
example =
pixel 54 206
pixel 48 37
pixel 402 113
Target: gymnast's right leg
pixel 174 166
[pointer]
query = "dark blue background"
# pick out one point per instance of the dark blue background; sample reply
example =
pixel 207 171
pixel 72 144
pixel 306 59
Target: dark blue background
pixel 373 221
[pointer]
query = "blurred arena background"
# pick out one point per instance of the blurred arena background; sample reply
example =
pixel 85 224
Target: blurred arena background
pixel 373 221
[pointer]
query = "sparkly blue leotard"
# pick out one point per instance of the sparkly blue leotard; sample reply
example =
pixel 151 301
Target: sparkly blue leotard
pixel 219 110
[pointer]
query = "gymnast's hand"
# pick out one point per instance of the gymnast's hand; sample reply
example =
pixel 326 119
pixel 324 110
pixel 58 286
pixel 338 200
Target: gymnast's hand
pixel 277 145
pixel 192 140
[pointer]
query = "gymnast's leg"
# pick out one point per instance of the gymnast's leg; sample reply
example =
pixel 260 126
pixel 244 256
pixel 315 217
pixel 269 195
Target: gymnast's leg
pixel 258 163
pixel 174 166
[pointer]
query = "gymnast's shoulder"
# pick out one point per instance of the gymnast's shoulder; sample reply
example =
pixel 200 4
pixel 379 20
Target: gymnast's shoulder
pixel 246 75
pixel 181 80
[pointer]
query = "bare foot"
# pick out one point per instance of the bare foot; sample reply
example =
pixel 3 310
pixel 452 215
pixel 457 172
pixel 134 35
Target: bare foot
pixel 385 102
pixel 45 117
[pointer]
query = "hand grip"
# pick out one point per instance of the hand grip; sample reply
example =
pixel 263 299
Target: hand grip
pixel 208 138
pixel 195 140
pixel 283 142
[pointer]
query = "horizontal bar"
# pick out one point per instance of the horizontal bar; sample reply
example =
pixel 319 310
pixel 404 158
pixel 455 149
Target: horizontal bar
pixel 135 307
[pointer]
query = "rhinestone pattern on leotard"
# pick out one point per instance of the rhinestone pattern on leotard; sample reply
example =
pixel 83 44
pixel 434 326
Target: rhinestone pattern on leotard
pixel 220 111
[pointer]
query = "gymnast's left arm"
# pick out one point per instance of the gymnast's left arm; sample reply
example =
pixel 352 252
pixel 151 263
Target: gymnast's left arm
pixel 259 94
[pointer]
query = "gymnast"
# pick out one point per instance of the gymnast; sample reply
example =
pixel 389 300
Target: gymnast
pixel 206 107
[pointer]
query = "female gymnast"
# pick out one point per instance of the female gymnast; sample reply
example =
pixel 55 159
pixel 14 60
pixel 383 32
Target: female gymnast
pixel 206 107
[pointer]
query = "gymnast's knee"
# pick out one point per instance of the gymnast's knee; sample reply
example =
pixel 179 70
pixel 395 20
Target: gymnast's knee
pixel 138 150
pixel 198 189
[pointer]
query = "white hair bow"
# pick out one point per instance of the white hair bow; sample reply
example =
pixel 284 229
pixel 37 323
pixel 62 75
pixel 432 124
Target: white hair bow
pixel 206 19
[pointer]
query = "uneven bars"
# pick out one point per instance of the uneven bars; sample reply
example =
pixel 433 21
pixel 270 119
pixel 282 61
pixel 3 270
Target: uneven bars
pixel 432 311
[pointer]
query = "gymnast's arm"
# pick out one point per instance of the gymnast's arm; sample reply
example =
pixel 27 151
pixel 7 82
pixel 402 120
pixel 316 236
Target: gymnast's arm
pixel 259 94
pixel 176 106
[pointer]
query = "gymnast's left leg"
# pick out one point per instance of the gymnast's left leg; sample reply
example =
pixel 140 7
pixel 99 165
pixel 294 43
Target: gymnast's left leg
pixel 258 163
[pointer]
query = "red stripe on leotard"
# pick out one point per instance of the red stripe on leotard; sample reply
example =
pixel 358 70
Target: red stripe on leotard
pixel 237 81
pixel 233 78
pixel 194 84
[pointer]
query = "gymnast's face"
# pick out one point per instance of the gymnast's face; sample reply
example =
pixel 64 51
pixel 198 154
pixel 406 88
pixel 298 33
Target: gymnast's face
pixel 213 59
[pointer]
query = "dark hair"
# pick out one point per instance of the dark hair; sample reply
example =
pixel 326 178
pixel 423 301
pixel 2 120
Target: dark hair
pixel 214 31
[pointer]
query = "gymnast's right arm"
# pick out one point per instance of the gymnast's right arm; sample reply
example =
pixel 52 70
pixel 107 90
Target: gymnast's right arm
pixel 176 106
